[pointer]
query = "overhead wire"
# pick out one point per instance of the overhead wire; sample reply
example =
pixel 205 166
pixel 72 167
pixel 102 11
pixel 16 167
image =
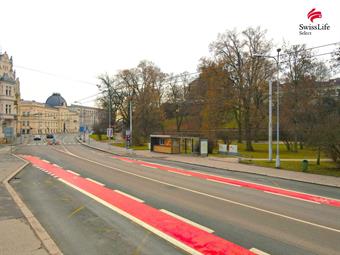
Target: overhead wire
pixel 169 79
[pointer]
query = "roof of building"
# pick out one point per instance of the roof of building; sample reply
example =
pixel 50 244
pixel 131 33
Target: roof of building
pixel 56 100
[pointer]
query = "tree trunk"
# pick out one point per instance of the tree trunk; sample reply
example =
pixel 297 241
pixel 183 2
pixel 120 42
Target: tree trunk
pixel 237 115
pixel 295 146
pixel 318 157
pixel 247 128
pixel 301 145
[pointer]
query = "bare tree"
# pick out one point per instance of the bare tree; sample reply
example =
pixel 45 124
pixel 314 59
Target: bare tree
pixel 144 87
pixel 297 91
pixel 247 73
pixel 178 87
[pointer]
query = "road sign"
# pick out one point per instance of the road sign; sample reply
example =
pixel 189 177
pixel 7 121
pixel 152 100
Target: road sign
pixel 81 129
pixel 109 132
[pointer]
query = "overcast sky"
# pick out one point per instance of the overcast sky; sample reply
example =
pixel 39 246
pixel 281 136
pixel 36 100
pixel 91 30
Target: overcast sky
pixel 79 40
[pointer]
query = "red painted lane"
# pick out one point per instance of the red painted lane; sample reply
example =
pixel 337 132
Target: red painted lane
pixel 289 193
pixel 189 235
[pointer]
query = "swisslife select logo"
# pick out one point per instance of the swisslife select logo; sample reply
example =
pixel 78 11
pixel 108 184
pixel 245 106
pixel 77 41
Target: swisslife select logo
pixel 313 16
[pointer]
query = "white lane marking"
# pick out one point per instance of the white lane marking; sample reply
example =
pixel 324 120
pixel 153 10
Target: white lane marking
pixel 264 185
pixel 56 165
pixel 126 160
pixel 137 221
pixel 187 221
pixel 258 252
pixel 149 166
pixel 212 180
pixel 130 196
pixel 89 179
pixel 179 173
pixel 297 198
pixel 70 171
pixel 202 173
pixel 158 165
pixel 46 161
pixel 205 194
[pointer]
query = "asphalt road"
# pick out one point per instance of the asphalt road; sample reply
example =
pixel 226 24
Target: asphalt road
pixel 249 218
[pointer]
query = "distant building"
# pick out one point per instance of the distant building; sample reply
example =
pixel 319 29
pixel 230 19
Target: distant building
pixel 9 97
pixel 51 117
pixel 89 116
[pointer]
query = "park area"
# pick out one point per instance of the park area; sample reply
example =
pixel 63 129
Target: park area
pixel 290 160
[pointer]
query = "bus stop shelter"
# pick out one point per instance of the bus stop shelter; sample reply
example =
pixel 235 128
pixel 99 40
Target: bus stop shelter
pixel 174 144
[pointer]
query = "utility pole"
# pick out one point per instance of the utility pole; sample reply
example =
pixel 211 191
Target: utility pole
pixel 277 60
pixel 131 121
pixel 270 131
pixel 110 106
pixel 277 162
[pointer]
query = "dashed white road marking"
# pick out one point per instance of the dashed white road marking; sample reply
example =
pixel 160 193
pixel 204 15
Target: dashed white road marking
pixel 301 199
pixel 205 194
pixel 130 196
pixel 149 166
pixel 99 183
pixel 127 161
pixel 187 221
pixel 179 173
pixel 202 173
pixel 258 252
pixel 70 171
pixel 231 184
pixel 56 165
pixel 137 221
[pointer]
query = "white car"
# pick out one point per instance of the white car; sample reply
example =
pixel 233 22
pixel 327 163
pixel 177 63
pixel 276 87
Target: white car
pixel 37 138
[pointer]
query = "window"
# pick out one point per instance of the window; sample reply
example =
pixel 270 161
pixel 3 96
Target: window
pixel 8 109
pixel 8 91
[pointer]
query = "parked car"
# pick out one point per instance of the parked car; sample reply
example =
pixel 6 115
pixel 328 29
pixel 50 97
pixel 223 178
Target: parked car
pixel 37 138
pixel 51 140
pixel 49 136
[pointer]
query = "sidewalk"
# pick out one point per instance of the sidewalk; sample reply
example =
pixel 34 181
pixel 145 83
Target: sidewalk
pixel 16 236
pixel 223 163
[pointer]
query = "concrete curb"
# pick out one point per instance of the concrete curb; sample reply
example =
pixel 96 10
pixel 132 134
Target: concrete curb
pixel 99 149
pixel 261 174
pixel 40 232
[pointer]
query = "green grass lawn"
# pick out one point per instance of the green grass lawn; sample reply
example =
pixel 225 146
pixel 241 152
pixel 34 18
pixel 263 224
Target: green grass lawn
pixel 325 168
pixel 261 151
pixel 96 137
pixel 135 147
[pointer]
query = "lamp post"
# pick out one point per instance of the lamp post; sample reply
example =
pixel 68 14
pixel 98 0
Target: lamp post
pixel 270 127
pixel 277 60
pixel 81 117
pixel 131 121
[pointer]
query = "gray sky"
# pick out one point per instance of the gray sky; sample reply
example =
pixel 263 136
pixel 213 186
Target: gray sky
pixel 79 40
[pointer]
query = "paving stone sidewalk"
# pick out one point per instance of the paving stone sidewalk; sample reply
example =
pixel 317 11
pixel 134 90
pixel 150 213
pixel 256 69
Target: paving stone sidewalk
pixel 16 236
pixel 223 163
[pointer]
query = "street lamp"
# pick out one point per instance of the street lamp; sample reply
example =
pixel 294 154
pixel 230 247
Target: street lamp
pixel 277 60
pixel 82 117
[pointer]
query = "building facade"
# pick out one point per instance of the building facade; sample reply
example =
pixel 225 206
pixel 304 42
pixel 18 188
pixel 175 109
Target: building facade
pixel 88 116
pixel 9 98
pixel 51 117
